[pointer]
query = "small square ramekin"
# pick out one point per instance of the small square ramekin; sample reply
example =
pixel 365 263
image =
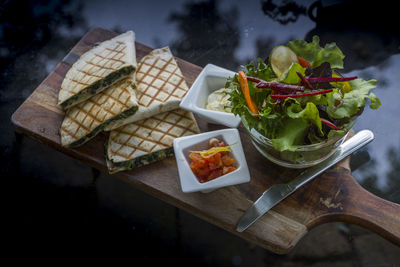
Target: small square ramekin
pixel 210 79
pixel 189 181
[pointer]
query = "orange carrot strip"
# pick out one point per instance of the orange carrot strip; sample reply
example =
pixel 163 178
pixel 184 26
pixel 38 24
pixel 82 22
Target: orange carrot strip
pixel 245 89
pixel 304 63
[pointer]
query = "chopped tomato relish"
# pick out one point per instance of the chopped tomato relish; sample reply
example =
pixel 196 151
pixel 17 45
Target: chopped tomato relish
pixel 214 164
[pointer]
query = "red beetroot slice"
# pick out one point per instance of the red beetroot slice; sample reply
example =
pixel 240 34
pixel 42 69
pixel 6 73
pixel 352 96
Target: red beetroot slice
pixel 253 79
pixel 304 80
pixel 275 85
pixel 302 95
pixel 280 86
pixel 330 124
pixel 330 79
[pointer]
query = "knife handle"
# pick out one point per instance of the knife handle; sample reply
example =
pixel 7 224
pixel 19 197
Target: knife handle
pixel 359 140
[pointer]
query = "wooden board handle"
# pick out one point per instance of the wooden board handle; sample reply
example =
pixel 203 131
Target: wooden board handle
pixel 353 204
pixel 374 213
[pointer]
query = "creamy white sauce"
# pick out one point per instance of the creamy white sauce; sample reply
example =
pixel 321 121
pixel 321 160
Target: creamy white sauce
pixel 218 100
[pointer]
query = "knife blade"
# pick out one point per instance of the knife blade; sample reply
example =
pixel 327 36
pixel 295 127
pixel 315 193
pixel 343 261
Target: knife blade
pixel 279 192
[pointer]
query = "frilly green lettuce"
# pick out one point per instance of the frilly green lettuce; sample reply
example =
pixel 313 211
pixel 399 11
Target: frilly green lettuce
pixel 290 122
pixel 316 55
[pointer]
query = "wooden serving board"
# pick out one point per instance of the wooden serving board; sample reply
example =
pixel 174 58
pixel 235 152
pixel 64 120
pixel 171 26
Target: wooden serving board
pixel 333 196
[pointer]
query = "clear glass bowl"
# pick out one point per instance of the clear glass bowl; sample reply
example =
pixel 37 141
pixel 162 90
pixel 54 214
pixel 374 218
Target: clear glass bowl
pixel 304 156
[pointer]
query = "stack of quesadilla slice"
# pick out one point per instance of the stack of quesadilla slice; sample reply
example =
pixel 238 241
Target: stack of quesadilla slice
pixel 160 86
pixel 117 101
pixel 139 106
pixel 97 69
pixel 148 135
pixel 149 140
pixel 85 120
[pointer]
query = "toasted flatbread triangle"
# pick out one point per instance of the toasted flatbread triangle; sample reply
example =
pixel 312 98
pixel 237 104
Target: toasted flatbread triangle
pixel 98 69
pixel 149 140
pixel 85 120
pixel 160 86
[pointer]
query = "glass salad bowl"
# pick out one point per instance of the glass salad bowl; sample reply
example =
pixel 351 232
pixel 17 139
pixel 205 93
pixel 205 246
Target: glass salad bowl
pixel 303 156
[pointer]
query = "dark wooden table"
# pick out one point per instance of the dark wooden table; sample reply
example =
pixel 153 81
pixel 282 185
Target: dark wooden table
pixel 333 196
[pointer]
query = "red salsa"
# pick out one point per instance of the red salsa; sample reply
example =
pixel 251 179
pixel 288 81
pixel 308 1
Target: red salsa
pixel 210 164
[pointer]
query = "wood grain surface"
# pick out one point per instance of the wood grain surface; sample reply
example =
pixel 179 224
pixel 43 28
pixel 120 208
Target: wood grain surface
pixel 333 196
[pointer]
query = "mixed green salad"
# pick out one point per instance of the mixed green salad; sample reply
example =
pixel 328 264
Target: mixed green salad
pixel 297 96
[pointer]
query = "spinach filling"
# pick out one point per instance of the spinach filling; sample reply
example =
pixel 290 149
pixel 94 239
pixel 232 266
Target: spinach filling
pixel 139 161
pixel 98 86
pixel 99 128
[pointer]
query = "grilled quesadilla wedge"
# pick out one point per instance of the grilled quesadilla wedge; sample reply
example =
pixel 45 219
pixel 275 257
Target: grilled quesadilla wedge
pixel 149 140
pixel 98 68
pixel 85 120
pixel 160 86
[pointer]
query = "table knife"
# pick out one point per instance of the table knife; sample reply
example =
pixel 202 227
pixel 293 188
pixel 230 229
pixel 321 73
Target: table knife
pixel 278 192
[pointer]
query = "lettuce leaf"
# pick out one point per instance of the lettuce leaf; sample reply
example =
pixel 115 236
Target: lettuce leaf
pixel 296 125
pixel 353 101
pixel 310 114
pixel 291 134
pixel 316 55
pixel 262 70
pixel 290 76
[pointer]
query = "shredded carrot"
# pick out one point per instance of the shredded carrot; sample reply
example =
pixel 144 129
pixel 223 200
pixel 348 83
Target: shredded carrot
pixel 245 89
pixel 212 151
pixel 304 63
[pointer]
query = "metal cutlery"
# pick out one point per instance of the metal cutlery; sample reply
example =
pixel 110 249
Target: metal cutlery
pixel 279 192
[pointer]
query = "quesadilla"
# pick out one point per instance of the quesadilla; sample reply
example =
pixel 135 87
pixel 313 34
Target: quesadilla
pixel 149 140
pixel 85 120
pixel 98 69
pixel 160 86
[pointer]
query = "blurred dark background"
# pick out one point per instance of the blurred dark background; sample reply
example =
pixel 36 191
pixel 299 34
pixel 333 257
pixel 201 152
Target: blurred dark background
pixel 57 206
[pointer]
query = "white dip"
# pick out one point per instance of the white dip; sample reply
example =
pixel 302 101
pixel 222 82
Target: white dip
pixel 218 100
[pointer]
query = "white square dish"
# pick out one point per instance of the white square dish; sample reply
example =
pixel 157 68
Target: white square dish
pixel 209 80
pixel 189 181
